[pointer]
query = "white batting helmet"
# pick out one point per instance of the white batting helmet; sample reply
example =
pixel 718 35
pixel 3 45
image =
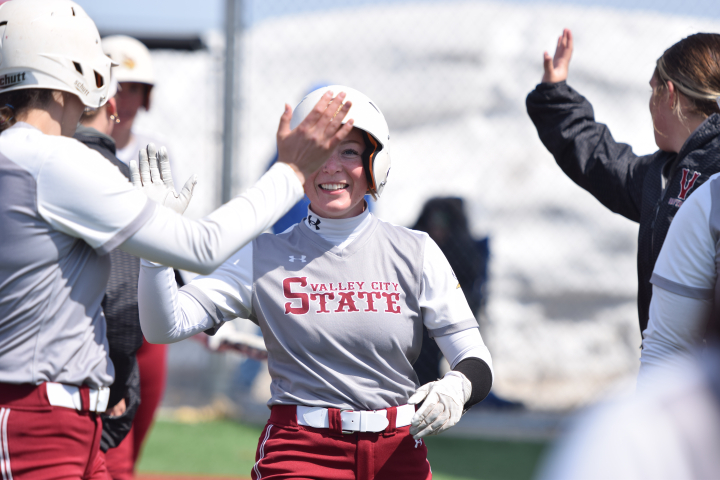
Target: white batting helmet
pixel 370 120
pixel 133 59
pixel 52 44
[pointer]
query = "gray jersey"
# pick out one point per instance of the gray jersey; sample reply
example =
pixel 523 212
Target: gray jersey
pixel 62 206
pixel 343 327
pixel 341 318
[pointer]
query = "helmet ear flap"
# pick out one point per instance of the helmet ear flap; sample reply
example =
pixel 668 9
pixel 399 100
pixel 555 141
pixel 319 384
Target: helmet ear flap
pixel 376 162
pixel 368 157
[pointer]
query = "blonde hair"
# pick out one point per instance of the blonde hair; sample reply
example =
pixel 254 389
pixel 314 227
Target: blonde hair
pixel 693 66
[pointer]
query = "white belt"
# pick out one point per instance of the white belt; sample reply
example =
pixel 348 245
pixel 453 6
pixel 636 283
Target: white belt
pixel 61 395
pixel 371 421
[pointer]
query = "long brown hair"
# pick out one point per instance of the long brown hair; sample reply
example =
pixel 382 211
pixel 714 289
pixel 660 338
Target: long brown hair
pixel 693 65
pixel 13 103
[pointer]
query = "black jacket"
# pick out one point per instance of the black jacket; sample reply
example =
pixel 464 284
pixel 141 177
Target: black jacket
pixel 624 182
pixel 121 314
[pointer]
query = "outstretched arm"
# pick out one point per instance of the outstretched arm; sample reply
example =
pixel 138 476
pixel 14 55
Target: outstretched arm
pixel 584 148
pixel 201 246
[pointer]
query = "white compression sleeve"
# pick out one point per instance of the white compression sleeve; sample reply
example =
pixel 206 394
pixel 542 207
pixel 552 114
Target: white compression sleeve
pixel 675 329
pixel 461 345
pixel 201 246
pixel 167 315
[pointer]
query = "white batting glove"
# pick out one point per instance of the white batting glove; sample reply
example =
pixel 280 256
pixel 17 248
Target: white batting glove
pixel 157 183
pixel 443 406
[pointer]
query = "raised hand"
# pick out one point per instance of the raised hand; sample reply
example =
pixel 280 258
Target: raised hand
pixel 156 181
pixel 310 144
pixel 556 68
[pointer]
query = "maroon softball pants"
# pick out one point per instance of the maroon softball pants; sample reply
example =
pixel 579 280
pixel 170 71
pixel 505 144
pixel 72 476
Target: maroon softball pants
pixel 288 450
pixel 39 441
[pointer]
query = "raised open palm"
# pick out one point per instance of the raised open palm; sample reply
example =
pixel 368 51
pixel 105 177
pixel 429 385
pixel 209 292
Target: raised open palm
pixel 556 68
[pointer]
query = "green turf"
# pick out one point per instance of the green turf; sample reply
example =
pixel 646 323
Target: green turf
pixel 220 448
pixel 228 448
pixel 460 459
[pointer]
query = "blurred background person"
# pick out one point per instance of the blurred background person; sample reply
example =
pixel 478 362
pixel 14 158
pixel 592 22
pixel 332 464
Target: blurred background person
pixel 136 78
pixel 646 189
pixel 120 302
pixel 668 431
pixel 445 220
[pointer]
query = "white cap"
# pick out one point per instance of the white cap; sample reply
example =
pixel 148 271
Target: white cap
pixel 132 57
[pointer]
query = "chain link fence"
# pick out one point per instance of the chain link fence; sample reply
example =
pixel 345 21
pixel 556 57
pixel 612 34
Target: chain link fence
pixel 451 78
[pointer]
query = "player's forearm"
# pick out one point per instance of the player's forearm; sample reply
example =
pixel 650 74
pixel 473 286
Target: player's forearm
pixel 201 246
pixel 466 352
pixel 166 315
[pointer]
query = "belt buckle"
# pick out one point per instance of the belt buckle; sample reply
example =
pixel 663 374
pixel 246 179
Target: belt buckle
pixel 345 432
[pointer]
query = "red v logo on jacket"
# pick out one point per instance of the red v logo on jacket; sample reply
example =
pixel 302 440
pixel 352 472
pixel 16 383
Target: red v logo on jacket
pixel 687 183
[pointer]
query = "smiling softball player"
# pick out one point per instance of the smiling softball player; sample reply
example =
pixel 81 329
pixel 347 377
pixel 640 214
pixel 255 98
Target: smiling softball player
pixel 341 299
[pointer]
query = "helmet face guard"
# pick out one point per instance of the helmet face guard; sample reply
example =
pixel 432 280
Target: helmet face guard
pixel 369 119
pixel 52 44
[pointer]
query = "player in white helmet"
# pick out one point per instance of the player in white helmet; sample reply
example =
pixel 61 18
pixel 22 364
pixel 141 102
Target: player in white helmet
pixel 136 78
pixel 341 298
pixel 63 208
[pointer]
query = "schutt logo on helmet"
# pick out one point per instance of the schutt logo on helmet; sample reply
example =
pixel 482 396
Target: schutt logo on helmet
pixel 81 88
pixel 8 80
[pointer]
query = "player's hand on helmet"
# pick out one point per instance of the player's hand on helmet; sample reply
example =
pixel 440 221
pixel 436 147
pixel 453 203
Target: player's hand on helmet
pixel 556 68
pixel 154 178
pixel 443 406
pixel 306 147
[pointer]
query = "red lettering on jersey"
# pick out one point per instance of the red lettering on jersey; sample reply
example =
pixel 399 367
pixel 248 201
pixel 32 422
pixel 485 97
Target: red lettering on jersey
pixel 687 183
pixel 340 287
pixel 391 303
pixel 387 285
pixel 369 298
pixel 346 300
pixel 396 286
pixel 304 302
pixel 323 298
pixel 331 287
pixel 315 286
pixel 323 288
pixel 351 286
pixel 375 285
pixel 360 284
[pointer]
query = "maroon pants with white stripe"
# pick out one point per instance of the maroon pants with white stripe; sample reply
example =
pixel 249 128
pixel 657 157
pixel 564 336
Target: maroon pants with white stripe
pixel 41 442
pixel 288 450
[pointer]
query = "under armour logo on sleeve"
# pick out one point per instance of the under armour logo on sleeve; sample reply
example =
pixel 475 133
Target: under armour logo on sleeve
pixel 301 259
